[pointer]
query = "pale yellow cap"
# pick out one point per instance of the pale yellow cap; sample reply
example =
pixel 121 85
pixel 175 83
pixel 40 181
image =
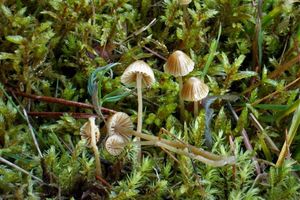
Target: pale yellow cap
pixel 117 122
pixel 115 144
pixel 194 90
pixel 130 74
pixel 179 64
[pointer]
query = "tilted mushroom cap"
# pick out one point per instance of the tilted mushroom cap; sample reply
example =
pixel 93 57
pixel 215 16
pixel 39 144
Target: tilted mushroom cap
pixel 130 74
pixel 179 64
pixel 184 2
pixel 194 90
pixel 117 122
pixel 115 144
pixel 87 128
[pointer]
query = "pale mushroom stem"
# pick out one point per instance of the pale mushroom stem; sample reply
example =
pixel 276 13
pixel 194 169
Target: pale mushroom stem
pixel 184 149
pixel 181 102
pixel 140 113
pixel 96 153
pixel 196 108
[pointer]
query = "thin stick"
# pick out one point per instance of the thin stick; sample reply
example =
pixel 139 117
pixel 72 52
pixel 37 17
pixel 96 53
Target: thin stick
pixel 140 113
pixel 32 134
pixel 155 53
pixel 269 141
pixel 60 101
pixel 20 169
pixel 59 114
pixel 181 102
pixel 276 92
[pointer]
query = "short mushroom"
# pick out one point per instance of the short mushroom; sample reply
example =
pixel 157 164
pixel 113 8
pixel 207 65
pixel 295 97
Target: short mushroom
pixel 91 133
pixel 194 90
pixel 179 64
pixel 115 144
pixel 117 123
pixel 138 74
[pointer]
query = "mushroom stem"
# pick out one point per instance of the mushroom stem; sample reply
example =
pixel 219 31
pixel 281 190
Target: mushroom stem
pixel 140 113
pixel 96 153
pixel 181 102
pixel 184 149
pixel 196 108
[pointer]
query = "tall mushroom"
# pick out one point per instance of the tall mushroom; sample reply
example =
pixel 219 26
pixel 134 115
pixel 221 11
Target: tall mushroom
pixel 194 90
pixel 138 74
pixel 179 64
pixel 91 133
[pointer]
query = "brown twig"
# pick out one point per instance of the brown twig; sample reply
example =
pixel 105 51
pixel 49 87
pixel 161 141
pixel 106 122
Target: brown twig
pixel 154 53
pixel 284 67
pixel 59 101
pixel 103 181
pixel 59 114
pixel 276 92
pixel 275 73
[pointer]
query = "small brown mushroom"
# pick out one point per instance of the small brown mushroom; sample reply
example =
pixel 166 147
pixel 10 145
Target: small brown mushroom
pixel 194 90
pixel 138 74
pixel 118 122
pixel 115 144
pixel 179 64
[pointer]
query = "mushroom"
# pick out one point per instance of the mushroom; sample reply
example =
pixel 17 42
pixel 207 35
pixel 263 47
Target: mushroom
pixel 91 133
pixel 118 122
pixel 179 64
pixel 138 74
pixel 194 90
pixel 115 144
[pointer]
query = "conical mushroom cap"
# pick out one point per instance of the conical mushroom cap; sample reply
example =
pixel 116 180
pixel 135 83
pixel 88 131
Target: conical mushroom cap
pixel 194 90
pixel 115 144
pixel 179 64
pixel 117 122
pixel 184 2
pixel 130 74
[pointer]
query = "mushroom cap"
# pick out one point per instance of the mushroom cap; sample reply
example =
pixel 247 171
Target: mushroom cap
pixel 184 2
pixel 115 144
pixel 129 76
pixel 194 90
pixel 117 122
pixel 87 128
pixel 179 64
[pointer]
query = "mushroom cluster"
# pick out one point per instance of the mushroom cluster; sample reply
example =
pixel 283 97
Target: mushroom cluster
pixel 117 137
pixel 179 64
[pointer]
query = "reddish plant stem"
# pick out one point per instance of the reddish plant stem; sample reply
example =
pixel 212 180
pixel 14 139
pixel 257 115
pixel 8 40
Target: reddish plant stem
pixel 59 114
pixel 60 101
pixel 155 53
